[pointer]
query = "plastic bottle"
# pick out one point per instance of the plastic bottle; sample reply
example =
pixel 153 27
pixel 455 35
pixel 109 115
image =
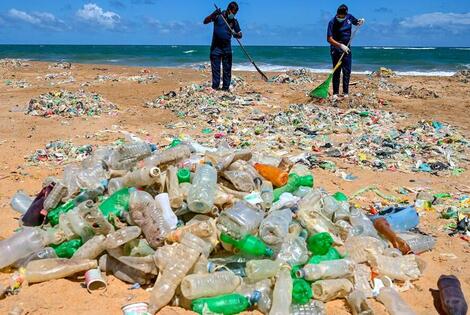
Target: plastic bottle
pixel 274 228
pixel 44 253
pixel 168 156
pixel 171 273
pixel 250 245
pixel 275 175
pixel 202 229
pixel 362 224
pixel 282 294
pixel 228 304
pixel 400 268
pixel 21 201
pixel 401 219
pixel 124 156
pixel 327 290
pixel 319 243
pixel 393 302
pixel 93 217
pixel 358 303
pixel 122 236
pixel 264 287
pixel 313 308
pixel 334 209
pixel 241 180
pixel 202 191
pixel 138 248
pixel 267 194
pixel 257 270
pixel 362 276
pixel 359 247
pixel 21 244
pixel 91 249
pixel 294 182
pixel 145 176
pixel 68 248
pixel 143 264
pixel 384 228
pixel 208 285
pixel 55 196
pixel 451 295
pixel 56 268
pixel 418 243
pixel 34 216
pixel 162 202
pixel 148 217
pixel 73 225
pixel 116 204
pixel 334 269
pixel 174 193
pixel 332 254
pixel 122 271
pixel 301 291
pixel 293 251
pixel 240 219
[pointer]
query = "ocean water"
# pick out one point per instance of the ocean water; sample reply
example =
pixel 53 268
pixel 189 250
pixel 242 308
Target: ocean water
pixel 405 60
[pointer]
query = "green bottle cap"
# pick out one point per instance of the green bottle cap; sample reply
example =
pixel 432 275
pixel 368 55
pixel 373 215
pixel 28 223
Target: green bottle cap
pixel 184 175
pixel 339 196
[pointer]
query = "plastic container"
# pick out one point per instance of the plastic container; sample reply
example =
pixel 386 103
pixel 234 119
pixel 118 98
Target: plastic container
pixel 126 155
pixel 162 202
pixel 249 245
pixel 334 269
pixel 451 295
pixel 294 182
pixel 327 290
pixel 122 236
pixel 312 308
pixel 168 156
pixel 92 248
pixel 362 225
pixel 55 196
pixel 293 251
pixel 418 243
pixel 400 268
pixel 358 303
pixel 240 219
pixel 145 176
pixel 320 243
pixel 202 191
pixel 359 247
pixel 208 285
pixel 21 244
pixel 122 271
pixel 274 228
pixel 228 304
pixel 257 270
pixel 174 193
pixel 56 268
pixel 20 202
pixel 267 194
pixel 282 294
pixel 44 253
pixel 401 219
pixel 275 175
pixel 393 302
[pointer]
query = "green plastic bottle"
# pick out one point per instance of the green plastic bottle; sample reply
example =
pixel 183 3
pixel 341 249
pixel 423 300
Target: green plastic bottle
pixel 301 291
pixel 294 182
pixel 227 304
pixel 249 244
pixel 184 175
pixel 175 142
pixel 320 243
pixel 332 254
pixel 67 249
pixel 339 196
pixel 117 203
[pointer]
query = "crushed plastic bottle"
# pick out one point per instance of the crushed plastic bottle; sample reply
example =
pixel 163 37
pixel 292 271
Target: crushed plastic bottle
pixel 228 304
pixel 56 268
pixel 393 302
pixel 21 202
pixel 334 269
pixel 249 245
pixel 208 285
pixel 327 290
pixel 202 192
pixel 282 294
pixel 239 220
pixel 126 155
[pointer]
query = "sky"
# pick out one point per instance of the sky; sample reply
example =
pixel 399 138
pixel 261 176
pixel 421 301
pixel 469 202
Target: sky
pixel 276 22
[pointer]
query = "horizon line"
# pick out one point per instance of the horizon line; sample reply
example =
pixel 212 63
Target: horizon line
pixel 248 45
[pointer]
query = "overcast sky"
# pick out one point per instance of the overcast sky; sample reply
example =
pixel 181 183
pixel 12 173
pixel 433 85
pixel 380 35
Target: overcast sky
pixel 293 22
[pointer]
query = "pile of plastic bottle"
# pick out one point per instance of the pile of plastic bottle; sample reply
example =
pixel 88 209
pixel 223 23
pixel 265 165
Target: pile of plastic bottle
pixel 216 231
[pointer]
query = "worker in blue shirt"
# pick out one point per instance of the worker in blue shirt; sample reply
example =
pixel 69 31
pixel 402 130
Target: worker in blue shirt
pixel 221 47
pixel 338 35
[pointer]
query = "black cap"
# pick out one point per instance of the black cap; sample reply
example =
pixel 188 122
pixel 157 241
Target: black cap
pixel 233 6
pixel 342 9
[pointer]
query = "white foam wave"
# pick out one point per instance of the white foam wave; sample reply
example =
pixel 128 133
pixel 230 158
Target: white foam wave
pixel 189 51
pixel 461 48
pixel 401 48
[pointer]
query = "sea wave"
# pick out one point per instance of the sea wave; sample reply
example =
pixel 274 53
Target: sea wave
pixel 400 48
pixel 461 48
pixel 189 51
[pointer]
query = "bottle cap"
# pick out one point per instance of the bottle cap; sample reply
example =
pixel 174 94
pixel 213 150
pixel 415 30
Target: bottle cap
pixel 153 147
pixel 255 297
pixel 339 196
pixel 184 175
pixel 269 252
pixel 211 267
pixel 306 180
pixel 175 142
pixel 300 273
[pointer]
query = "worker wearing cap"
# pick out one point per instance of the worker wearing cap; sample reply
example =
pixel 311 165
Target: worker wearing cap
pixel 338 36
pixel 221 47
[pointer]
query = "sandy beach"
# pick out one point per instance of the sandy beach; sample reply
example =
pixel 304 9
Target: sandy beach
pixel 443 99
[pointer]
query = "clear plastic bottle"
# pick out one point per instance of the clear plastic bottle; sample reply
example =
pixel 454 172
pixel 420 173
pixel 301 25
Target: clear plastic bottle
pixel 44 253
pixel 400 268
pixel 264 287
pixel 334 269
pixel 294 251
pixel 239 220
pixel 145 176
pixel 208 285
pixel 358 303
pixel 202 229
pixel 359 247
pixel 168 156
pixel 362 224
pixel 327 290
pixel 92 248
pixel 241 180
pixel 122 236
pixel 148 217
pixel 393 302
pixel 282 294
pixel 126 155
pixel 418 243
pixel 202 191
pixel 257 270
pixel 274 228
pixel 55 196
pixel 267 194
pixel 361 278
pixel 334 209
pixel 144 264
pixel 162 202
pixel 56 268
pixel 171 273
pixel 21 201
pixel 74 225
pixel 312 308
pixel 21 244
pixel 122 271
pixel 173 188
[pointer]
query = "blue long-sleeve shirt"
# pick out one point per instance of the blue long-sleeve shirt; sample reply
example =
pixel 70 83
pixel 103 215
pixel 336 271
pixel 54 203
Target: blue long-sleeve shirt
pixel 222 37
pixel 341 31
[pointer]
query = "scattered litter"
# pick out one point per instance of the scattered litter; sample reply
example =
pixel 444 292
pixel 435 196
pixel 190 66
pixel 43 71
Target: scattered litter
pixel 13 63
pixel 60 151
pixel 60 65
pixel 17 84
pixel 297 76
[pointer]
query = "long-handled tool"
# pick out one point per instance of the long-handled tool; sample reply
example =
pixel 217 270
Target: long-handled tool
pixel 321 91
pixel 265 78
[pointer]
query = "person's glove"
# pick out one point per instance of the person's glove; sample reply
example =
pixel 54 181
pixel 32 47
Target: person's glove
pixel 345 48
pixel 361 22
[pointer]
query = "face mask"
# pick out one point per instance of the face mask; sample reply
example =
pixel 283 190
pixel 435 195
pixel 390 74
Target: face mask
pixel 340 19
pixel 231 16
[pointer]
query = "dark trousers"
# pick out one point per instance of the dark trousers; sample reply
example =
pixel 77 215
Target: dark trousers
pixel 345 68
pixel 219 57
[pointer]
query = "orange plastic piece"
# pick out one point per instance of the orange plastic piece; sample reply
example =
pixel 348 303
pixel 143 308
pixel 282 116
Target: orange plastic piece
pixel 275 175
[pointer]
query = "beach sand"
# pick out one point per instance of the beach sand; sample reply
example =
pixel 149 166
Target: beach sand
pixel 21 135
